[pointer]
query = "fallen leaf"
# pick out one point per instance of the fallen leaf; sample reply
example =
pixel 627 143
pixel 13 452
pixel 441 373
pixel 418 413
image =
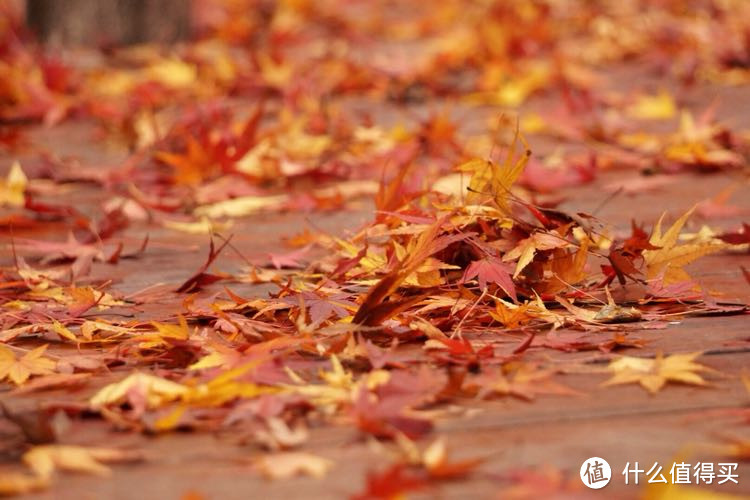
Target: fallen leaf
pixel 293 463
pixel 13 187
pixel 19 370
pixel 20 483
pixel 670 258
pixel 155 390
pixel 496 180
pixel 493 270
pixel 46 459
pixel 652 107
pixel 201 277
pixel 653 374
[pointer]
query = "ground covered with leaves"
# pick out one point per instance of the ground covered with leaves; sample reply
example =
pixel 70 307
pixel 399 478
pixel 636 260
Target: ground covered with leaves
pixel 373 249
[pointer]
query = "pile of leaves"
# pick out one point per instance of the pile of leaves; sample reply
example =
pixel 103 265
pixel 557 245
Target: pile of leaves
pixel 465 274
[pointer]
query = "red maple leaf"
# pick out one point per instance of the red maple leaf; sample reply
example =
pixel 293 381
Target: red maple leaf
pixel 289 260
pixel 201 278
pixel 393 482
pixel 637 242
pixel 320 307
pixel 491 269
pixel 737 237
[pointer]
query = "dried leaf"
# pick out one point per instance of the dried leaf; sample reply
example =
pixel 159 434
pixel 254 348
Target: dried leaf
pixel 19 483
pixel 19 370
pixel 155 390
pixel 293 463
pixel 493 270
pixel 13 187
pixel 670 258
pixel 653 374
pixel 46 459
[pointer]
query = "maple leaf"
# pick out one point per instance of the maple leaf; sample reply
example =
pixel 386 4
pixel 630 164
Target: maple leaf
pixel 388 415
pixel 546 179
pixel 202 226
pixel 523 381
pixel 19 370
pixel 179 331
pixel 241 206
pixel 44 460
pixel 221 356
pixel 20 483
pixel 391 195
pixel 653 107
pixel 52 251
pixel 293 463
pixel 527 248
pixel 487 177
pixel 738 237
pixel 435 460
pixel 509 315
pixel 622 258
pixel 695 143
pixel 670 258
pixel 566 269
pixel 155 390
pixel 416 470
pixel 393 482
pixel 374 310
pixel 653 374
pixel 201 277
pixel 13 187
pixel 54 381
pixel 191 167
pixel 63 331
pixel 322 308
pixel 637 242
pixel 288 260
pixel 491 269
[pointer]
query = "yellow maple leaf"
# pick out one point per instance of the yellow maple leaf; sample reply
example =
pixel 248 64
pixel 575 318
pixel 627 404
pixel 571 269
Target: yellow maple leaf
pixel 44 460
pixel 20 483
pixel 180 331
pixel 490 178
pixel 19 370
pixel 164 331
pixel 293 463
pixel 155 389
pixel 241 206
pixel 12 188
pixel 653 374
pixel 525 381
pixel 275 73
pixel 527 248
pixel 63 331
pixel 510 315
pixel 670 258
pixel 202 226
pixel 653 107
pixel 213 360
pixel 172 73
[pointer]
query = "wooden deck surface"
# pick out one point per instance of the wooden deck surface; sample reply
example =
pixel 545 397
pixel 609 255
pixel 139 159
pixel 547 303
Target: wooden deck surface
pixel 621 424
